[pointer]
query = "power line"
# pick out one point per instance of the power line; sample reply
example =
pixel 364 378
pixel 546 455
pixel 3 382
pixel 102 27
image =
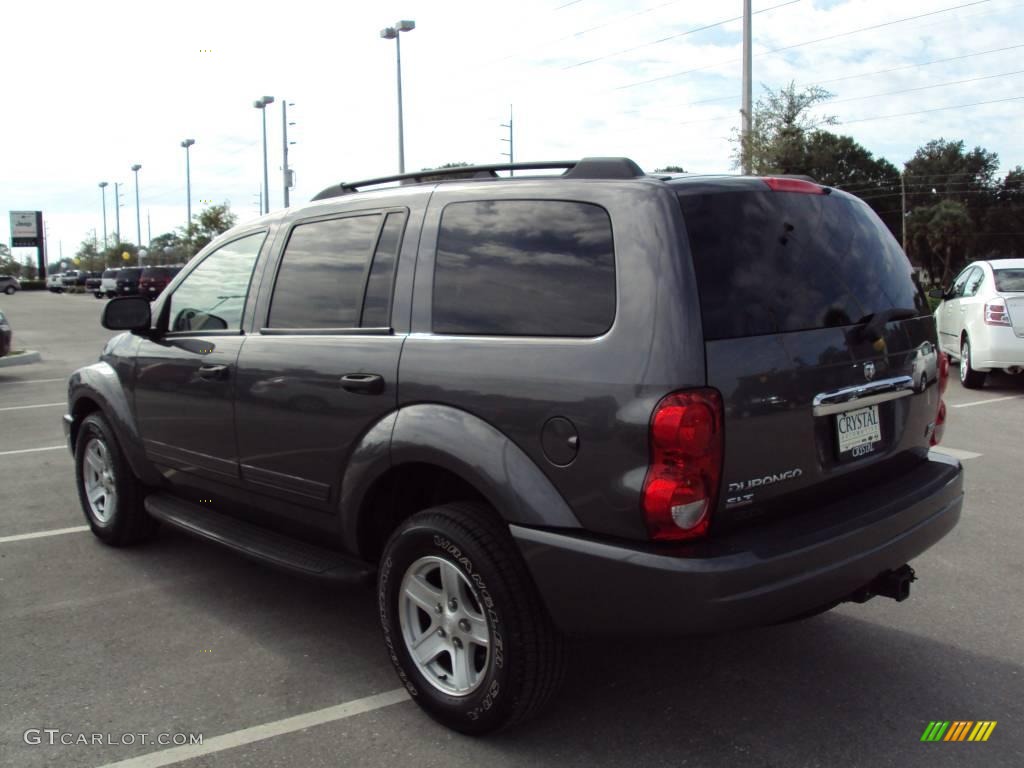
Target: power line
pixel 912 66
pixel 925 87
pixel 924 111
pixel 799 45
pixel 682 34
pixel 857 76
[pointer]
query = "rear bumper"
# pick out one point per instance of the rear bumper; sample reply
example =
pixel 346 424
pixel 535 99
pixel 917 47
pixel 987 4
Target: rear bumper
pixel 764 574
pixel 999 347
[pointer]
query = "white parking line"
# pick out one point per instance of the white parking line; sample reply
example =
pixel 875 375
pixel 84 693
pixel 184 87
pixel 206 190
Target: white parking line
pixel 34 450
pixel 42 534
pixel 956 453
pixel 34 381
pixel 990 400
pixel 26 407
pixel 261 732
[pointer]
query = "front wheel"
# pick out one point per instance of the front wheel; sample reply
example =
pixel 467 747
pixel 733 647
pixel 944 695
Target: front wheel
pixel 463 624
pixel 110 494
pixel 9 290
pixel 969 377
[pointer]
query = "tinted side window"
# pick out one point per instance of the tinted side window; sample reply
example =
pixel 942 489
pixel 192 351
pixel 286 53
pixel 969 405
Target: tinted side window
pixel 212 297
pixel 524 268
pixel 773 262
pixel 377 304
pixel 322 274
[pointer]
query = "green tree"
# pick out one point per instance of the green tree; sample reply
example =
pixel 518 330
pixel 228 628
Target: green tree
pixel 942 228
pixel 205 226
pixel 944 170
pixel 1002 232
pixel 780 126
pixel 670 169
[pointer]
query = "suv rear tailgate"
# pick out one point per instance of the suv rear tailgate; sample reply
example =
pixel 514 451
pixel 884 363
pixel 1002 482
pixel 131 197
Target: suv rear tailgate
pixel 819 402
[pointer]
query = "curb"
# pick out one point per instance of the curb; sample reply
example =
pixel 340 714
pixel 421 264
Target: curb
pixel 26 357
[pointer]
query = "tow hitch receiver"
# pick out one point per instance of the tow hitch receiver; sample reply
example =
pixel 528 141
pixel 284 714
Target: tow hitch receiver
pixel 894 584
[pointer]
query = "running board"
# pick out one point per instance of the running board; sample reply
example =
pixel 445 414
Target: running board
pixel 257 542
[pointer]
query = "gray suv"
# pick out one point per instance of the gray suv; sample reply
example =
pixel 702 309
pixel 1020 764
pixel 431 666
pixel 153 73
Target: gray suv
pixel 533 407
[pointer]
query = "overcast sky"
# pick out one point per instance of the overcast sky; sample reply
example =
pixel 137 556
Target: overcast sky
pixel 94 87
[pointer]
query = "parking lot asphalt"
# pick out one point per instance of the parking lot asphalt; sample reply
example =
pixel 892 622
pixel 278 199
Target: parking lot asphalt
pixel 181 637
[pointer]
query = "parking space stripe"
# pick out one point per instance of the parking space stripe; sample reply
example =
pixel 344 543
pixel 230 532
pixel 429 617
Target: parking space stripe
pixel 25 407
pixel 33 381
pixel 34 450
pixel 956 453
pixel 265 731
pixel 989 400
pixel 42 534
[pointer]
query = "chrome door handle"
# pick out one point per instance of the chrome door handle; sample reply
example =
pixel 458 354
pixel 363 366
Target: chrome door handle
pixel 861 395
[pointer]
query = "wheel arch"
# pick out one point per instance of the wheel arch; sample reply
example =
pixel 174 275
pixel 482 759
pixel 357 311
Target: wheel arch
pixel 428 454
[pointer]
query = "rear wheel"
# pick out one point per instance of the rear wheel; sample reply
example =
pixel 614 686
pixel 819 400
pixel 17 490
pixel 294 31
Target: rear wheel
pixel 463 623
pixel 111 496
pixel 9 290
pixel 969 377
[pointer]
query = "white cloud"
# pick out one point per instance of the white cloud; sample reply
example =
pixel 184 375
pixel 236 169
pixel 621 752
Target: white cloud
pixel 113 83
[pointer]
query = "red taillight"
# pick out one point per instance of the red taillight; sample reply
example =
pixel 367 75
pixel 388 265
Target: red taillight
pixel 940 416
pixel 777 184
pixel 681 487
pixel 996 314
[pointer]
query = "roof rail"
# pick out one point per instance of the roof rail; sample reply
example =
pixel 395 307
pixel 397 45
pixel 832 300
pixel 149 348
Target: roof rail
pixel 587 168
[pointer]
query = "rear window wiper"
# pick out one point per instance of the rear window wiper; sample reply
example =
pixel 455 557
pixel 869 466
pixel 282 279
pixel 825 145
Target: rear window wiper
pixel 876 321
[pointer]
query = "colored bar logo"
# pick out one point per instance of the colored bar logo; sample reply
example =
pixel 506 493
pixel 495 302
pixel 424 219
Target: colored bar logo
pixel 958 730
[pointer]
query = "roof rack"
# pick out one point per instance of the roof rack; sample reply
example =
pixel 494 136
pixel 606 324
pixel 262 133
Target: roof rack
pixel 587 168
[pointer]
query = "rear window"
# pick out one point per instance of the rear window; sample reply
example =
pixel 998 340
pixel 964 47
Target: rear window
pixel 524 268
pixel 157 272
pixel 110 273
pixel 131 272
pixel 1009 280
pixel 773 262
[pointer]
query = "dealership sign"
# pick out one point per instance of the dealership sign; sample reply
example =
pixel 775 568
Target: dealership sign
pixel 26 229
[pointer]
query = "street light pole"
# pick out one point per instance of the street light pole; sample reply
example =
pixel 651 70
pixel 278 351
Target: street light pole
pixel 284 146
pixel 188 179
pixel 261 105
pixel 511 151
pixel 103 187
pixel 392 33
pixel 138 213
pixel 117 213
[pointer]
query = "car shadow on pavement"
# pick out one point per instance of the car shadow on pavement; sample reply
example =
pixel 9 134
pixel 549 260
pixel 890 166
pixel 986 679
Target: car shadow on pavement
pixel 832 690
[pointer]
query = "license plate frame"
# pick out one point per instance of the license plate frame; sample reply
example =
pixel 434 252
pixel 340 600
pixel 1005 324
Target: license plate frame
pixel 858 433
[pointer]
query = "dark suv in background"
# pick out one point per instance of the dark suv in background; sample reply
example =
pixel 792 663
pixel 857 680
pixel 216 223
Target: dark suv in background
pixel 600 402
pixel 128 281
pixel 153 280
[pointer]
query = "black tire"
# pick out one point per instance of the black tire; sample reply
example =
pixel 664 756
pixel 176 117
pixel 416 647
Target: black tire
pixel 526 663
pixel 969 377
pixel 126 521
pixel 9 290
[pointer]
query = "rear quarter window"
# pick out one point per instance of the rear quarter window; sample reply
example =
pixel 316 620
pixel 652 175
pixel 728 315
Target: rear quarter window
pixel 524 268
pixel 1009 280
pixel 773 262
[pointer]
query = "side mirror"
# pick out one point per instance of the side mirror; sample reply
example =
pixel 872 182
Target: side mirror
pixel 127 313
pixel 937 293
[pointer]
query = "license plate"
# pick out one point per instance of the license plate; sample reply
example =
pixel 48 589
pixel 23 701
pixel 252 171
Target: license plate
pixel 858 432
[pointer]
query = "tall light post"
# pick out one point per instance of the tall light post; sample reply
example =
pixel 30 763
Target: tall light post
pixel 261 105
pixel 748 108
pixel 138 213
pixel 392 33
pixel 103 188
pixel 188 179
pixel 117 213
pixel 288 174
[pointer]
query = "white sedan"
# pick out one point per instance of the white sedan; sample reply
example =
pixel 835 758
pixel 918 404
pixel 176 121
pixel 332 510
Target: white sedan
pixel 981 319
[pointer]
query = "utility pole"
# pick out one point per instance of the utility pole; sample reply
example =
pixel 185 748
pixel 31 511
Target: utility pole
pixel 284 149
pixel 745 135
pixel 511 150
pixel 149 227
pixel 903 210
